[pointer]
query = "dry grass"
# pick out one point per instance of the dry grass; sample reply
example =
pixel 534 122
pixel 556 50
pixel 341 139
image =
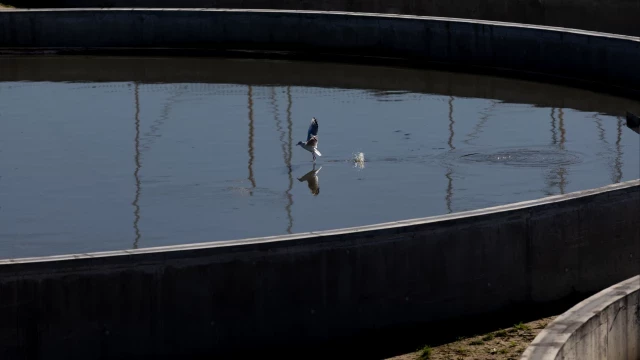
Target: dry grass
pixel 503 344
pixel 5 6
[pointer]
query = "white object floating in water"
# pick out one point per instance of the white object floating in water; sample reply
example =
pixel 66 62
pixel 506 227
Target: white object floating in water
pixel 358 160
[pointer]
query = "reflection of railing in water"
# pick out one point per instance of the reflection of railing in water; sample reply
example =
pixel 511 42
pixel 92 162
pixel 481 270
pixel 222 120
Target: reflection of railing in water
pixel 154 128
pixel 289 157
pixel 448 175
pixel 617 163
pixel 139 148
pixel 563 132
pixel 480 125
pixel 615 154
pixel 251 130
pixel 601 134
pixel 136 206
pixel 286 156
pixel 563 139
pixel 558 175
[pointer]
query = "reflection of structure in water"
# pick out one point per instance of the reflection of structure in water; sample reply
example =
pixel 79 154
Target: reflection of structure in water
pixel 251 130
pixel 286 147
pixel 558 175
pixel 136 173
pixel 449 175
pixel 312 180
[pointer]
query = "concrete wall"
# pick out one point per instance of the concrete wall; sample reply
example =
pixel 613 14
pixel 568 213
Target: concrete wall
pixel 604 62
pixel 306 289
pixel 613 16
pixel 606 326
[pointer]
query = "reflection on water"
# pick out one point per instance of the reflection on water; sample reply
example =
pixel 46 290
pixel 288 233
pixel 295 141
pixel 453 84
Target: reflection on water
pixel 312 180
pixel 449 174
pixel 286 149
pixel 557 176
pixel 71 150
pixel 477 129
pixel 288 159
pixel 251 130
pixel 617 165
pixel 136 206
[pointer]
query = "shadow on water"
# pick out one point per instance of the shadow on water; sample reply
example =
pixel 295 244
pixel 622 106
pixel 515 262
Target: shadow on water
pixel 384 81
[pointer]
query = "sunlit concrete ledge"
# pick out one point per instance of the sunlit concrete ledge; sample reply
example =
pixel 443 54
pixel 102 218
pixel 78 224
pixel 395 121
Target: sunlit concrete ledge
pixel 605 326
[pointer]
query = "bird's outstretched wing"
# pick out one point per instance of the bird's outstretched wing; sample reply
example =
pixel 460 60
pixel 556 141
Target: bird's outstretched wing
pixel 313 129
pixel 313 141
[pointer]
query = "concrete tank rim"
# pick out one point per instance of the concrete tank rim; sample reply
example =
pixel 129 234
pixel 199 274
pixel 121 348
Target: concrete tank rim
pixel 340 231
pixel 344 13
pixel 378 226
pixel 550 341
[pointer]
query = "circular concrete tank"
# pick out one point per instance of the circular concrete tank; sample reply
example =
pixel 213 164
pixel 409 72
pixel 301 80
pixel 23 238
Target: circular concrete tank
pixel 310 288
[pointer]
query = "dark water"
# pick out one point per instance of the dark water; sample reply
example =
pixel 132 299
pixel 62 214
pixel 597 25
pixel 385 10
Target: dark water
pixel 106 154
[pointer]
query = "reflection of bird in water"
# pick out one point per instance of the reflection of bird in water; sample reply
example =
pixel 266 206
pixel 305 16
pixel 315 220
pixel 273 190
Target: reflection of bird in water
pixel 312 139
pixel 312 180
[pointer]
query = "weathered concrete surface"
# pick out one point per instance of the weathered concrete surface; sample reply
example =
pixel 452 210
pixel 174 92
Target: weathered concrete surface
pixel 302 290
pixel 606 326
pixel 606 62
pixel 383 81
pixel 613 16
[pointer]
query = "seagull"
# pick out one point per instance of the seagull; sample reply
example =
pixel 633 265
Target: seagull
pixel 312 180
pixel 312 139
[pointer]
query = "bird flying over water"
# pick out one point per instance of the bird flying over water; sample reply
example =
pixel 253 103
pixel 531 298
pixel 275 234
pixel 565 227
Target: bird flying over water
pixel 312 139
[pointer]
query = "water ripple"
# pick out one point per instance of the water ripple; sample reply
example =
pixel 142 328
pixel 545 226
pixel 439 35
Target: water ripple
pixel 531 157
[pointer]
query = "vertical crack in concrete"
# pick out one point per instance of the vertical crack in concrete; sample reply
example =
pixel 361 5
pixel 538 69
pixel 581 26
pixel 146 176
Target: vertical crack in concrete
pixel 623 307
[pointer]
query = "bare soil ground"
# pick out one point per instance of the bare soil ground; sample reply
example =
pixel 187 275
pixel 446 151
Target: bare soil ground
pixel 503 344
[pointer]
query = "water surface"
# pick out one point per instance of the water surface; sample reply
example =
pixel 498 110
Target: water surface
pixel 91 161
